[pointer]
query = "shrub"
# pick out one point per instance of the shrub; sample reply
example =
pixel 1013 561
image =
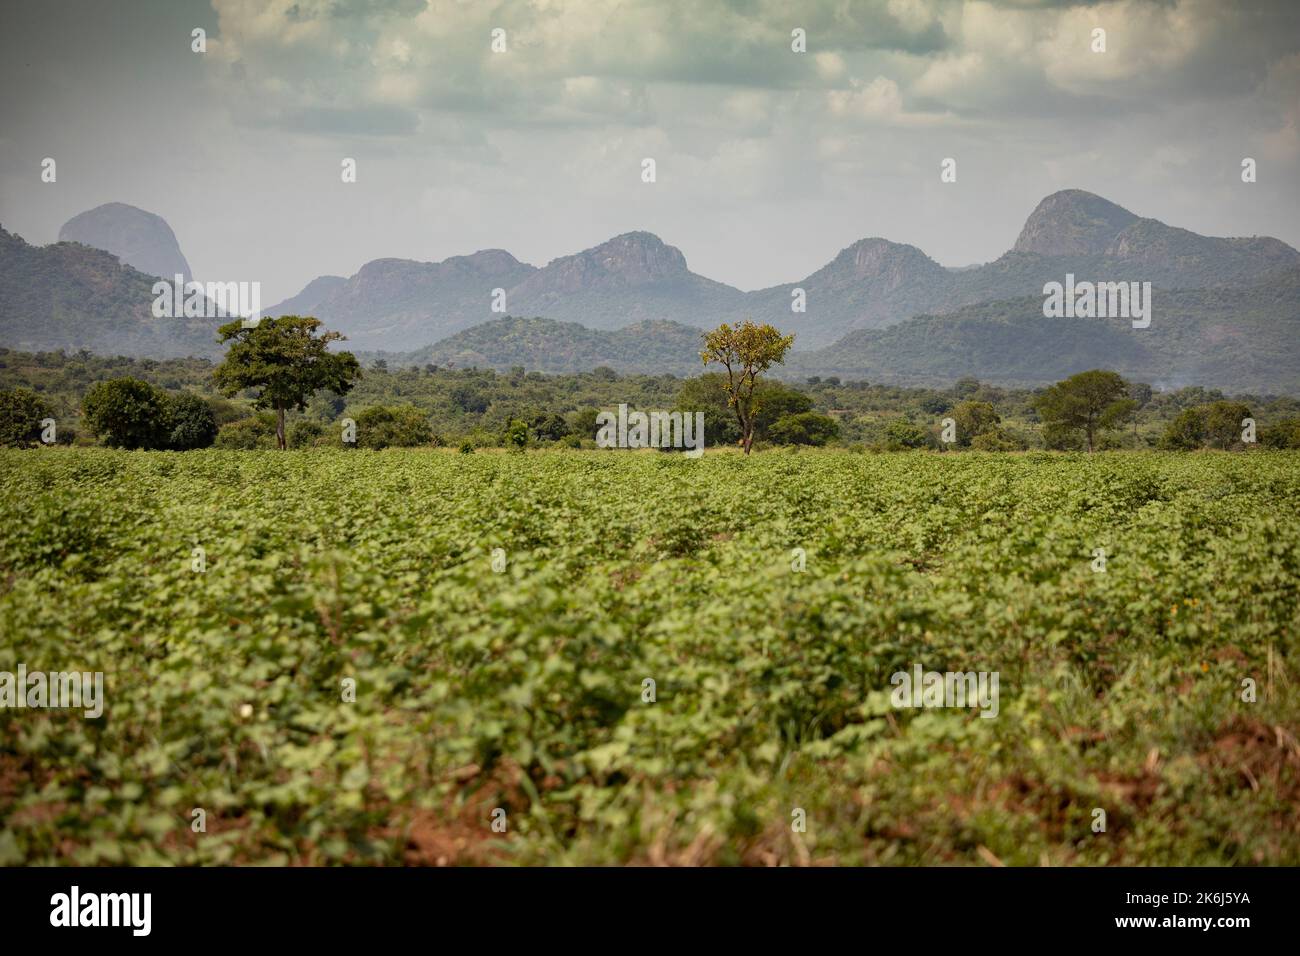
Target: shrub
pixel 997 439
pixel 247 434
pixel 21 412
pixel 305 433
pixel 901 434
pixel 192 422
pixel 804 428
pixel 402 426
pixel 1283 434
pixel 128 413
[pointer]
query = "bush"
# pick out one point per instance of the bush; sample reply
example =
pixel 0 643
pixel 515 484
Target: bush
pixel 247 434
pixel 996 440
pixel 1216 425
pixel 974 419
pixel 901 434
pixel 804 428
pixel 128 413
pixel 515 435
pixel 192 422
pixel 1284 434
pixel 549 427
pixel 402 426
pixel 305 433
pixel 21 413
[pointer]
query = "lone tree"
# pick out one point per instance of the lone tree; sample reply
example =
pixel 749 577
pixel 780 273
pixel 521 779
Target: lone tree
pixel 1088 402
pixel 744 352
pixel 287 361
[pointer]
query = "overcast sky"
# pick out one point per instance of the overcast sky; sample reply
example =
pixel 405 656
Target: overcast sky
pixel 768 161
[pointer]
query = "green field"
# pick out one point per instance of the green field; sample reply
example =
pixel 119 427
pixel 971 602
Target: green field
pixel 522 689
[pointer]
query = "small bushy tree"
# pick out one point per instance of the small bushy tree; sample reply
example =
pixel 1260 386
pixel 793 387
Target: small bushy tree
pixel 21 414
pixel 128 413
pixel 191 421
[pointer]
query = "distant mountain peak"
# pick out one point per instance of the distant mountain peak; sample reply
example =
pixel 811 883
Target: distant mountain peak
pixel 1073 222
pixel 633 258
pixel 872 255
pixel 138 238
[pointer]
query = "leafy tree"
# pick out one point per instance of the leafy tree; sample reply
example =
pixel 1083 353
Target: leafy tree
pixel 707 393
pixel 192 422
pixel 469 399
pixel 21 412
pixel 1085 404
pixel 901 433
pixel 1141 394
pixel 582 423
pixel 745 352
pixel 128 413
pixel 1223 424
pixel 382 427
pixel 974 419
pixel 1216 425
pixel 935 404
pixel 548 426
pixel 804 428
pixel 286 361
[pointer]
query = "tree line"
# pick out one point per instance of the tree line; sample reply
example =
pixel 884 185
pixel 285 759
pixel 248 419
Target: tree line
pixel 280 385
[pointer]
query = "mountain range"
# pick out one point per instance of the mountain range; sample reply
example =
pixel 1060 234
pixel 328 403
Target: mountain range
pixel 1226 310
pixel 872 284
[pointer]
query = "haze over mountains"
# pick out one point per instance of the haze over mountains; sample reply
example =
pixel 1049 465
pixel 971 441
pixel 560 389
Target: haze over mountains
pixel 1226 311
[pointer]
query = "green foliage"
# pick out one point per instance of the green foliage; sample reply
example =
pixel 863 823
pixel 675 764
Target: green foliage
pixel 1283 434
pixel 1084 404
pixel 403 426
pixel 523 689
pixel 128 413
pixel 286 361
pixel 191 421
pixel 247 434
pixel 516 435
pixel 861 410
pixel 548 426
pixel 803 428
pixel 903 434
pixel 745 352
pixel 305 434
pixel 974 419
pixel 21 414
pixel 1215 425
pixel 996 439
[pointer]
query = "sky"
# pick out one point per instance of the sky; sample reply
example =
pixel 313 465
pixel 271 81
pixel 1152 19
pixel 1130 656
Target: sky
pixel 768 161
